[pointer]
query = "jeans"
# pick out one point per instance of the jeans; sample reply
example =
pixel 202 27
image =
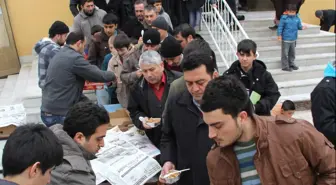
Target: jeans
pixel 50 119
pixel 195 18
pixel 288 54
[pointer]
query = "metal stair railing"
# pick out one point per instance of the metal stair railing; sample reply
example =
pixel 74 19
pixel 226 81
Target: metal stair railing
pixel 225 31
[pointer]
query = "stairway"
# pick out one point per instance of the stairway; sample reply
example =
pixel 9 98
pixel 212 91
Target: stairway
pixel 314 50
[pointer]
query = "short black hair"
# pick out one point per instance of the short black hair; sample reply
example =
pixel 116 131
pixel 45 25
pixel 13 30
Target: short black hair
pixel 185 30
pixel 196 59
pixel 226 93
pixel 150 8
pixel 246 46
pixel 291 7
pixel 85 117
pixel 110 18
pixel 95 29
pixel 74 37
pixel 29 144
pixel 200 44
pixel 288 105
pixel 121 41
pixel 82 2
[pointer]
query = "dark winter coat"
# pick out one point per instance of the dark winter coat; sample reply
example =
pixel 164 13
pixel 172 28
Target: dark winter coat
pixel 75 7
pixel 133 29
pixel 177 11
pixel 99 48
pixel 323 100
pixel 117 7
pixel 143 103
pixel 185 140
pixel 258 79
pixel 329 19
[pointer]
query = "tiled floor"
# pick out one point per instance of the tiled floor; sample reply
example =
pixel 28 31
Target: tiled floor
pixel 306 115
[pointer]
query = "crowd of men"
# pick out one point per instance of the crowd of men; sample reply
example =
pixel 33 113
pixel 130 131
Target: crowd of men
pixel 209 123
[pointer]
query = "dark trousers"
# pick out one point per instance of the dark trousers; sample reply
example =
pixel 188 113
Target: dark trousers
pixel 281 5
pixel 288 54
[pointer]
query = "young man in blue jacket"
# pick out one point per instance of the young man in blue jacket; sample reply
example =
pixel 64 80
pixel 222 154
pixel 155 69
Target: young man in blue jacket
pixel 288 28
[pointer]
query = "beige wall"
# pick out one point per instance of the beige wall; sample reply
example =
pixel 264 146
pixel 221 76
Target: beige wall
pixel 31 19
pixel 308 9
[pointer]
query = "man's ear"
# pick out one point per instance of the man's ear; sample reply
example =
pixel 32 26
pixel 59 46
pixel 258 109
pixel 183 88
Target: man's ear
pixel 215 75
pixel 79 138
pixel 242 116
pixel 34 169
pixel 189 38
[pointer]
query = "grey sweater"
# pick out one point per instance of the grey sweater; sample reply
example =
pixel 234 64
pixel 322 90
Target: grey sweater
pixel 65 79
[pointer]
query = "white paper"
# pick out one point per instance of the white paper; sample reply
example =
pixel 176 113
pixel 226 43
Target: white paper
pixel 122 163
pixel 139 139
pixel 12 115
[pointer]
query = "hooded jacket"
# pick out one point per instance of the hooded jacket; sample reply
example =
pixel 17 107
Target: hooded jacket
pixel 323 100
pixel 258 79
pixel 84 23
pixel 163 14
pixel 116 65
pixel 289 151
pixel 75 168
pixel 46 50
pixel 288 27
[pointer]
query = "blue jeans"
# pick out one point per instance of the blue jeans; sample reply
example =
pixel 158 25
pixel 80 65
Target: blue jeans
pixel 195 18
pixel 50 120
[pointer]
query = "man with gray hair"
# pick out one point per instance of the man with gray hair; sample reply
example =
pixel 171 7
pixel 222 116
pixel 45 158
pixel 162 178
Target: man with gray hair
pixel 148 96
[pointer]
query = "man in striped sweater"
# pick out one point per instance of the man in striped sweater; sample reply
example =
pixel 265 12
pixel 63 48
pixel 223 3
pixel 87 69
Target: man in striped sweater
pixel 253 150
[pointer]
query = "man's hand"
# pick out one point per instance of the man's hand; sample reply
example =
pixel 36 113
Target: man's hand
pixel 214 5
pixel 165 169
pixel 138 73
pixel 140 41
pixel 279 38
pixel 147 127
pixel 304 27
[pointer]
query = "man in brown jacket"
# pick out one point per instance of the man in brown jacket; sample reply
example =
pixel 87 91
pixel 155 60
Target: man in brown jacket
pixel 261 150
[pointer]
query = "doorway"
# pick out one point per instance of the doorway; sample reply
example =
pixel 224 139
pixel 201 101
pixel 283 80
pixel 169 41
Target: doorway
pixel 9 60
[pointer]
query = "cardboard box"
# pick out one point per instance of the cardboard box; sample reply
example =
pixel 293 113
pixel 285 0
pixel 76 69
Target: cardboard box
pixel 121 119
pixel 6 131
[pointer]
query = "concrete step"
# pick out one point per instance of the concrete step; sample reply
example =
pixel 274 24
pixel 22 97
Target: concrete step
pixel 257 22
pixel 305 72
pixel 301 60
pixel 296 98
pixel 266 32
pixel 290 88
pixel 303 49
pixel 6 96
pixel 2 84
pixel 21 83
pixel 33 94
pixel 322 37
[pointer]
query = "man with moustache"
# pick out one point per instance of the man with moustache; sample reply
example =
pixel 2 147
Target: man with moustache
pixel 252 149
pixel 185 142
pixel 81 136
pixel 88 17
pixel 135 25
pixel 47 47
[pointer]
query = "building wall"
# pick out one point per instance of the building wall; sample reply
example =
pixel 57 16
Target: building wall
pixel 31 19
pixel 308 9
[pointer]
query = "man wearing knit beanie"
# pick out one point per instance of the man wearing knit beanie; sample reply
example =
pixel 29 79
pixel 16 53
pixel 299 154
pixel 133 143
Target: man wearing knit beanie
pixel 47 47
pixel 171 51
pixel 162 26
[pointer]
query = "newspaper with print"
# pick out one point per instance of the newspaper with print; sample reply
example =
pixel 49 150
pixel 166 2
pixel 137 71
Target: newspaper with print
pixel 122 163
pixel 12 115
